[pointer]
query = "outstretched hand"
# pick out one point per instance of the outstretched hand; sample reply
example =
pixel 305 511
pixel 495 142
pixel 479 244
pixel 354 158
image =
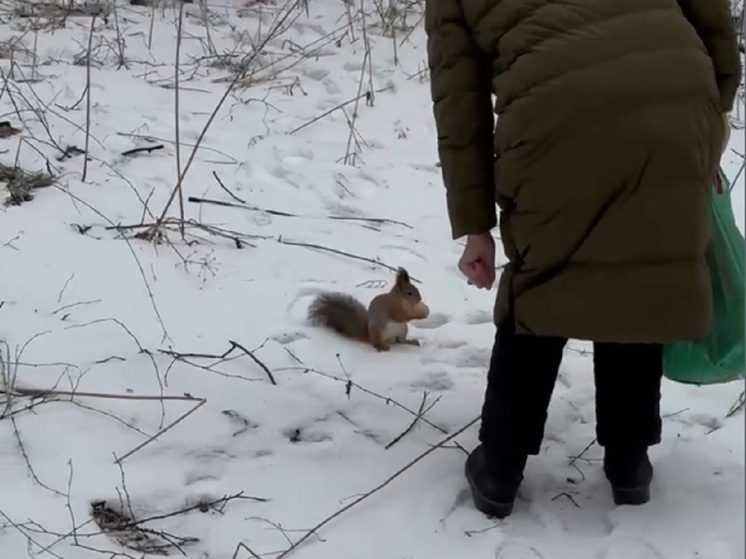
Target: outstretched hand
pixel 477 262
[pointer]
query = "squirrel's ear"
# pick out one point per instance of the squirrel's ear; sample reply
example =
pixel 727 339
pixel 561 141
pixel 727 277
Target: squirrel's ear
pixel 402 277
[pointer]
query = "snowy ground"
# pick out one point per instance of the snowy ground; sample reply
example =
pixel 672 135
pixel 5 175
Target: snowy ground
pixel 86 309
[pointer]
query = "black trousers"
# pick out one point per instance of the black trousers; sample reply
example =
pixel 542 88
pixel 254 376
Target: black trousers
pixel 521 378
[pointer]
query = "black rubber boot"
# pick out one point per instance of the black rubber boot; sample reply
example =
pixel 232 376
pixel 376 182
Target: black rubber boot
pixel 630 474
pixel 494 486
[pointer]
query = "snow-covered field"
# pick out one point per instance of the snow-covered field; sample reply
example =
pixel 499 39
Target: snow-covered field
pixel 190 396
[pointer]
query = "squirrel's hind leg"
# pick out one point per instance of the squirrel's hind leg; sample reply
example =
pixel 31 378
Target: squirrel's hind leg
pixel 400 337
pixel 377 339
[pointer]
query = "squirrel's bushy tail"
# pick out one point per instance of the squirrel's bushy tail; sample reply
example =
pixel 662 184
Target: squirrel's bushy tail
pixel 342 313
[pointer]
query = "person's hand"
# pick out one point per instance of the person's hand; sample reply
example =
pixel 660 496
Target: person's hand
pixel 477 262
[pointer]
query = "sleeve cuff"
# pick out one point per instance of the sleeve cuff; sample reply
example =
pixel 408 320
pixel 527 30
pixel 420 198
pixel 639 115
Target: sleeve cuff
pixel 471 211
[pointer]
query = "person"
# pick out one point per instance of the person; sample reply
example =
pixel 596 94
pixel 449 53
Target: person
pixel 609 131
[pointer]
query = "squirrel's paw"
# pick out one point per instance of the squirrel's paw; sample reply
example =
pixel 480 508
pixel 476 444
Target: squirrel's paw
pixel 411 342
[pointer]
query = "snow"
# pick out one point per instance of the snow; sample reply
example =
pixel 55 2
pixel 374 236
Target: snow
pixel 84 309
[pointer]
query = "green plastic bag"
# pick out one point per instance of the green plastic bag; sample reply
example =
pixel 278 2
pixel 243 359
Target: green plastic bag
pixel 719 356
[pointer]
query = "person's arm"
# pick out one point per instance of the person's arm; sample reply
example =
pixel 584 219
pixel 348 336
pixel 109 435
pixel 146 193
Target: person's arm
pixel 713 22
pixel 460 81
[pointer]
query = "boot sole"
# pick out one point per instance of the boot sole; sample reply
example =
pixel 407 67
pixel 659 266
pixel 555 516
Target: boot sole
pixel 634 496
pixel 488 506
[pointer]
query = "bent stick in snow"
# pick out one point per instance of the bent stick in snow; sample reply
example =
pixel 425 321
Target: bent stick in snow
pixel 376 489
pixel 342 253
pixel 244 206
pixel 200 402
pixel 43 392
pixel 39 393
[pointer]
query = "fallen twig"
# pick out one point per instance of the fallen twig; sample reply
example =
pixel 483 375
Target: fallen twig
pixel 243 205
pixel 376 489
pixel 146 149
pixel 217 178
pixel 8 379
pixel 569 497
pixel 202 506
pixel 27 459
pixel 177 134
pixel 674 414
pixel 140 349
pixel 250 551
pixel 223 357
pixel 737 406
pixel 43 393
pixel 368 95
pixel 29 539
pixel 88 100
pixel 335 108
pixel 420 413
pixel 343 253
pixel 201 402
pixel 183 144
pixel 140 268
pixel 69 506
pixel 256 360
pixel 582 453
pixel 240 240
pixel 349 382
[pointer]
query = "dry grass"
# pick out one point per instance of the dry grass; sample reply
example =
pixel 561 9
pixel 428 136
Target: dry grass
pixel 22 185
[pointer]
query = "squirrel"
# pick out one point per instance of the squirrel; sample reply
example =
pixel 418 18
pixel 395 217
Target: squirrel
pixel 383 323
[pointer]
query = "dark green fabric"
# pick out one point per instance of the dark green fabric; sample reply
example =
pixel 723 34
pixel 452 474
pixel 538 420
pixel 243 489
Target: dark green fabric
pixel 608 133
pixel 718 357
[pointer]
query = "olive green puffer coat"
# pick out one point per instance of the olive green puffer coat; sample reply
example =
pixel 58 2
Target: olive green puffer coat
pixel 609 132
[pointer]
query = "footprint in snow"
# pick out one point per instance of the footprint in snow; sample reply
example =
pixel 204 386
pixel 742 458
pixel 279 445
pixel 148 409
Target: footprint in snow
pixel 429 359
pixel 298 435
pixel 210 455
pixel 564 380
pixel 241 423
pixel 624 549
pixel 451 344
pixel 705 420
pixel 467 358
pixel 435 382
pixel 298 158
pixel 470 357
pixel 435 320
pixel 194 478
pixel 478 317
pixel 353 66
pixel 286 175
pixel 331 87
pixel 395 251
pixel 317 74
pixel 342 210
pixel 517 550
pixel 428 167
pixel 463 499
pixel 286 338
